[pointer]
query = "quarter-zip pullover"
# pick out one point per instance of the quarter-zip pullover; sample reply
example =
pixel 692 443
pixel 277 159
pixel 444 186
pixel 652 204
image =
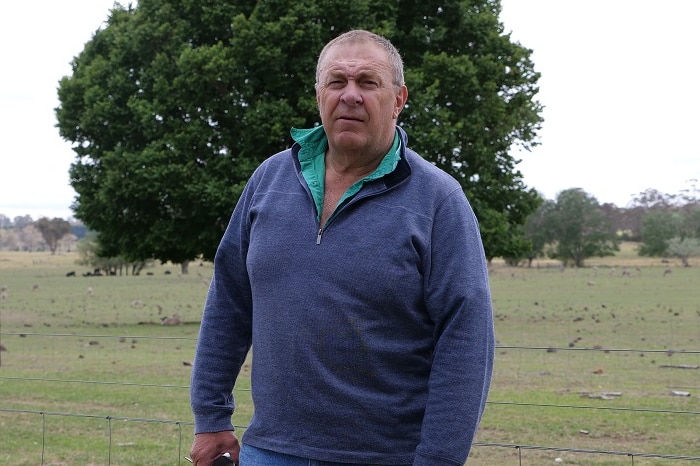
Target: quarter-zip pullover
pixel 374 346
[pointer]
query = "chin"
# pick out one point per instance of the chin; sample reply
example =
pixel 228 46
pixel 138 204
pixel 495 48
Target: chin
pixel 349 141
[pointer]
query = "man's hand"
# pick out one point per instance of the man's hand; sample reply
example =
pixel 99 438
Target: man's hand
pixel 208 446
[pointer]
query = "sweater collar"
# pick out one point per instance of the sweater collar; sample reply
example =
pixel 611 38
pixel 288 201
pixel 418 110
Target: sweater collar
pixel 314 141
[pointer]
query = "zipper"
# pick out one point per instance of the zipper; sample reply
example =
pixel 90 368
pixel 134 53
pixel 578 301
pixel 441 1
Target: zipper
pixel 335 213
pixel 357 197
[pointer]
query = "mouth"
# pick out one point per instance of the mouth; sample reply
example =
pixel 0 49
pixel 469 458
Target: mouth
pixel 349 118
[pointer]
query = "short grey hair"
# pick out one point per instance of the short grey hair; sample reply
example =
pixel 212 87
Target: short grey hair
pixel 360 35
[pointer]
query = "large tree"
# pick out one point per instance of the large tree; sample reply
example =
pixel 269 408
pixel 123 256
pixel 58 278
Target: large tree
pixel 171 106
pixel 577 228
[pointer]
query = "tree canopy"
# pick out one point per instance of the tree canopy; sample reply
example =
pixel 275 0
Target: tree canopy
pixel 172 105
pixel 52 231
pixel 658 227
pixel 671 226
pixel 576 228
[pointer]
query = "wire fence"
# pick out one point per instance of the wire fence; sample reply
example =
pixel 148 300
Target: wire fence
pixel 183 427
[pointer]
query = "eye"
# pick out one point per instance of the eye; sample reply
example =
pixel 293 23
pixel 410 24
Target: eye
pixel 369 83
pixel 335 83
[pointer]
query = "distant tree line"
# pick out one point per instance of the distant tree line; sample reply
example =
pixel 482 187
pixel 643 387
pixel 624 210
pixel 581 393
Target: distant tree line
pixel 671 226
pixel 575 227
pixel 60 235
pixel 571 228
pixel 44 234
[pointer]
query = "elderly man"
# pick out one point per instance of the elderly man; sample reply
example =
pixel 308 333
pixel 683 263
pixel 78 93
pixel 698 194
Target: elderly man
pixel 356 271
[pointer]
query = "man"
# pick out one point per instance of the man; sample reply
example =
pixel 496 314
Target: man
pixel 356 271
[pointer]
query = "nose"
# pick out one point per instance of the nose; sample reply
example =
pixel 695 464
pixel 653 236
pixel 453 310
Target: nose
pixel 351 94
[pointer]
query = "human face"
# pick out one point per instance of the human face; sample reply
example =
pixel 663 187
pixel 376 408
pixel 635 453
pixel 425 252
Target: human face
pixel 358 101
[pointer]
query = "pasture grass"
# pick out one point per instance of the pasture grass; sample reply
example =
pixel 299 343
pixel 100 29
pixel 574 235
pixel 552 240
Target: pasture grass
pixel 91 377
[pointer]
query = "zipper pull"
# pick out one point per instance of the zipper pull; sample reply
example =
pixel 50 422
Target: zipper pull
pixel 318 237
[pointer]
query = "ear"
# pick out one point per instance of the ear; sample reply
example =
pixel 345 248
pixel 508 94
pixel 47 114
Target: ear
pixel 400 101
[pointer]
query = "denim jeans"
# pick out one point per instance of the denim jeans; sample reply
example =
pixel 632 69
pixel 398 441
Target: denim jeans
pixel 252 456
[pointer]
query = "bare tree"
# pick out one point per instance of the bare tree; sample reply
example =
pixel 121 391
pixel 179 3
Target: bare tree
pixel 29 238
pixel 684 249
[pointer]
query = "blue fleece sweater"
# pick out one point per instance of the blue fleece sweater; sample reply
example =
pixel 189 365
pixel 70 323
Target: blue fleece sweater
pixel 374 345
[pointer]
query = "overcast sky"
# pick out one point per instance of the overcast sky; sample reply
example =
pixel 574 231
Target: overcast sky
pixel 619 87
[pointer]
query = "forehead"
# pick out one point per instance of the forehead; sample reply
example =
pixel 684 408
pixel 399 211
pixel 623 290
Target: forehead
pixel 355 57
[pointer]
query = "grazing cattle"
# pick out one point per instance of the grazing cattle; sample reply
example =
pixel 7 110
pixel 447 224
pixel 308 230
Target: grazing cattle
pixel 71 273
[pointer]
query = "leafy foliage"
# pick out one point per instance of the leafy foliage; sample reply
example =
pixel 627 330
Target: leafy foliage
pixel 671 220
pixel 52 231
pixel 88 249
pixel 535 231
pixel 658 227
pixel 171 106
pixel 576 228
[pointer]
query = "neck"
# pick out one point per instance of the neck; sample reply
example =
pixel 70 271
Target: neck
pixel 360 162
pixel 355 165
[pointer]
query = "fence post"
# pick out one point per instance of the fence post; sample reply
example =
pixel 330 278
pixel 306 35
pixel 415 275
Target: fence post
pixel 109 450
pixel 179 442
pixel 43 435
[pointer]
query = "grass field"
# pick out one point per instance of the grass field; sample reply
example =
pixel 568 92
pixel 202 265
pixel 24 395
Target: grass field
pixel 588 359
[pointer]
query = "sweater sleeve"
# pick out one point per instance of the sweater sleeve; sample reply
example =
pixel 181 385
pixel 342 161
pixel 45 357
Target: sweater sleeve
pixel 226 328
pixel 459 302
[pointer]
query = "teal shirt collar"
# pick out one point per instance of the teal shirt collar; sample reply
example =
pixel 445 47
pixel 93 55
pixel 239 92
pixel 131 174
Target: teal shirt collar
pixel 313 143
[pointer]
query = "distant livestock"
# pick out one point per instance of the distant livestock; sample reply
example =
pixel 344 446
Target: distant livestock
pixel 173 320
